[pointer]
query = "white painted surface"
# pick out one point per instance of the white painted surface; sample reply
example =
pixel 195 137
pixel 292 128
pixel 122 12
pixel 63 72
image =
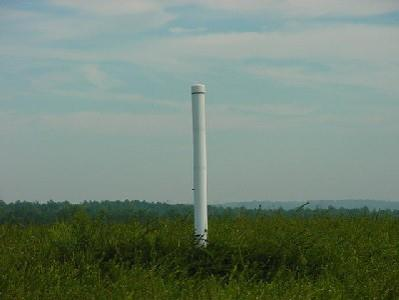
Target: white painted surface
pixel 199 163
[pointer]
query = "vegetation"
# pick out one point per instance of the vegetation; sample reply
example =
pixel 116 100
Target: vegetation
pixel 22 212
pixel 251 255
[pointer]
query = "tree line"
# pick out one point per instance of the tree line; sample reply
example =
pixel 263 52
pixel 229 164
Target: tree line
pixel 121 211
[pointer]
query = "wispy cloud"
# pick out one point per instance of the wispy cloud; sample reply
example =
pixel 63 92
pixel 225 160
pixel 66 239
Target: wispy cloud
pixel 363 55
pixel 220 118
pixel 183 30
pixel 346 42
pixel 115 7
pixel 321 76
pixel 378 76
pixel 118 123
pixel 284 7
pixel 83 78
pixel 98 77
pixel 95 123
pixel 86 20
pixel 267 109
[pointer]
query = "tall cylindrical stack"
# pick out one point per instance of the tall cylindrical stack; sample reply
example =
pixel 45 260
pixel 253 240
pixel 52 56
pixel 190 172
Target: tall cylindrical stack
pixel 200 164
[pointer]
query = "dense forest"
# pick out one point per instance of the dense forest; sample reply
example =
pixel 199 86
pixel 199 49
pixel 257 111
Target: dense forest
pixel 139 250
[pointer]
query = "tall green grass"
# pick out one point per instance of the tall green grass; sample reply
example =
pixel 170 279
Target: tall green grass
pixel 248 257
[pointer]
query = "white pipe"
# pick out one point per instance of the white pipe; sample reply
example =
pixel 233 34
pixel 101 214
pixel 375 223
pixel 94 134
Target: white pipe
pixel 200 164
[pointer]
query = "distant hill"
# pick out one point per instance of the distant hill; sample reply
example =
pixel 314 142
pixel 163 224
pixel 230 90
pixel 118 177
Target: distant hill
pixel 317 204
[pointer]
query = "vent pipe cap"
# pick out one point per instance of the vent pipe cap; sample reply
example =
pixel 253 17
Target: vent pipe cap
pixel 198 89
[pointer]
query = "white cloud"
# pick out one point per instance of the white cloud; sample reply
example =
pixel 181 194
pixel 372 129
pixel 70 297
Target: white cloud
pixel 114 7
pixel 98 123
pixel 45 26
pixel 127 124
pixel 98 78
pixel 90 82
pixel 301 7
pixel 266 109
pixel 340 7
pixel 345 42
pixel 182 30
pixel 87 76
pixel 354 54
pixel 281 7
pixel 12 123
pixel 250 117
pixel 361 55
pixel 103 16
pixel 117 123
pixel 15 14
pixel 382 77
pixel 226 117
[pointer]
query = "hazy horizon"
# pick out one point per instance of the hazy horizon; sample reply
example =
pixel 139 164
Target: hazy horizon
pixel 302 102
pixel 172 202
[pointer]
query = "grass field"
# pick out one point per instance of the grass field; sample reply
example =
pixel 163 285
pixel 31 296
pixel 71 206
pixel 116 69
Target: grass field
pixel 248 257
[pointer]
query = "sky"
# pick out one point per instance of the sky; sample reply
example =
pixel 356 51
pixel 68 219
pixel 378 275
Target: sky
pixel 302 102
